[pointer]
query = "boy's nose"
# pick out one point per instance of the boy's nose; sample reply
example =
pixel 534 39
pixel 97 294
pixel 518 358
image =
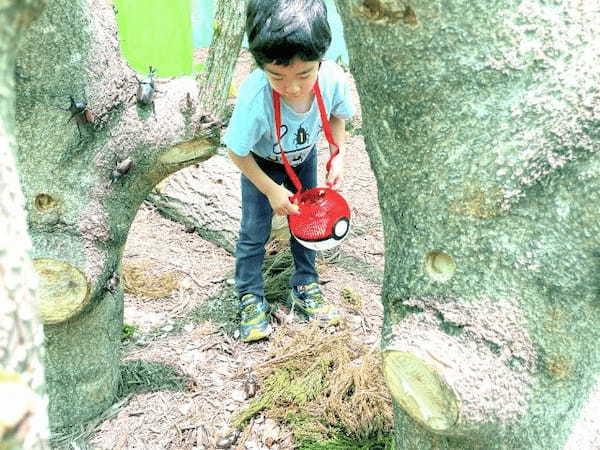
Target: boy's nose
pixel 293 89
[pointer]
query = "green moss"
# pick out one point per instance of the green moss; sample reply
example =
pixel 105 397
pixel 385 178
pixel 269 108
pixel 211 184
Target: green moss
pixel 220 309
pixel 148 376
pixel 384 441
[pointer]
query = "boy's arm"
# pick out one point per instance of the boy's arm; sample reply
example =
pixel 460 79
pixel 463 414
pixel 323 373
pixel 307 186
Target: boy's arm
pixel 279 196
pixel 336 172
pixel 338 130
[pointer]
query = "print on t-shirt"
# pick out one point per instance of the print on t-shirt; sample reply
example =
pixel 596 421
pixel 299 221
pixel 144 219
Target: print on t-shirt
pixel 300 139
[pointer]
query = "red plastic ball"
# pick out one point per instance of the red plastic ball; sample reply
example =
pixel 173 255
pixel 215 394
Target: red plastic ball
pixel 323 220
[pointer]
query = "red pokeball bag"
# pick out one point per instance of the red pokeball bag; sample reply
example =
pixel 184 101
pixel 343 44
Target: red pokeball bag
pixel 324 215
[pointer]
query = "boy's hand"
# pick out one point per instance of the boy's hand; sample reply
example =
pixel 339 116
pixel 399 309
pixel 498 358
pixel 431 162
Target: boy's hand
pixel 279 198
pixel 335 176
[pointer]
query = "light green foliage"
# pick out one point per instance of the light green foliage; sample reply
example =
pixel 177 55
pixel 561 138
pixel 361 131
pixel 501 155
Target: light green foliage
pixel 156 33
pixel 277 271
pixel 128 331
pixel 352 298
pixel 316 385
pixel 288 394
pixel 293 388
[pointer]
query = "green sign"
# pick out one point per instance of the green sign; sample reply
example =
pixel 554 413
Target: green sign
pixel 156 33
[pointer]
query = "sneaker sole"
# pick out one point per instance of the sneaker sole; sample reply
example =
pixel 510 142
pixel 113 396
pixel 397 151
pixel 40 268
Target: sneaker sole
pixel 323 323
pixel 258 334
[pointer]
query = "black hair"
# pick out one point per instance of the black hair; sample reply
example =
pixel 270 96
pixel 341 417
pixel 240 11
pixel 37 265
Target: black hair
pixel 280 30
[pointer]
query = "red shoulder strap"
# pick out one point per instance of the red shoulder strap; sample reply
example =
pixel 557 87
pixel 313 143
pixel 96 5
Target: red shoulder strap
pixel 288 167
pixel 325 123
pixel 326 129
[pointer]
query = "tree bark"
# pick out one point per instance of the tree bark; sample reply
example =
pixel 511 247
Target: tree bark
pixel 84 174
pixel 205 198
pixel 482 123
pixel 23 401
pixel 228 31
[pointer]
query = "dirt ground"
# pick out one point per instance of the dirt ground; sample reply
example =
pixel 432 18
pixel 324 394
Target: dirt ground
pixel 217 363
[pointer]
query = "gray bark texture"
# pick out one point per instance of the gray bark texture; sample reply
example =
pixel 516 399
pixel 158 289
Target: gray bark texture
pixel 482 123
pixel 23 401
pixel 205 198
pixel 84 173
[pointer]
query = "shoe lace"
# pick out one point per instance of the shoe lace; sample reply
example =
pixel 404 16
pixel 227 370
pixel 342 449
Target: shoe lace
pixel 252 308
pixel 249 310
pixel 312 295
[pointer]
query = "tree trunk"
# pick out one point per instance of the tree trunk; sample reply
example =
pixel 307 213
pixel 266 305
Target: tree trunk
pixel 482 122
pixel 23 412
pixel 228 31
pixel 85 173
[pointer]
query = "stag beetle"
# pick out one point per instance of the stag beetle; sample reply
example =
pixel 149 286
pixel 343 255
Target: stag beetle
pixel 79 111
pixel 146 89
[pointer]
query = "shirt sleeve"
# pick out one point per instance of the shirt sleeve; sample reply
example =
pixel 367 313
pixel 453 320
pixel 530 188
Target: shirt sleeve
pixel 342 106
pixel 246 126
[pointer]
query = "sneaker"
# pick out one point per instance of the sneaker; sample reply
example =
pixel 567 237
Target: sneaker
pixel 310 302
pixel 254 323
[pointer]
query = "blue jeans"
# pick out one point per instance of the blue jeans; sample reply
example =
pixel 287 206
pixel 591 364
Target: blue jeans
pixel 255 229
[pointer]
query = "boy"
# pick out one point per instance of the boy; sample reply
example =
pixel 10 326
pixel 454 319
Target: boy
pixel 287 38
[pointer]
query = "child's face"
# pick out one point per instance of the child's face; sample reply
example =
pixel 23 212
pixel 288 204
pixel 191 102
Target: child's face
pixel 293 82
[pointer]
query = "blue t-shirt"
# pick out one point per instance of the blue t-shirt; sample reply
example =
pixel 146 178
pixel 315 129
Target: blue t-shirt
pixel 252 124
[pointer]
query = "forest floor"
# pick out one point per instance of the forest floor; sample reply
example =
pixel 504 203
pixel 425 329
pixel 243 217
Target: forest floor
pixel 171 330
